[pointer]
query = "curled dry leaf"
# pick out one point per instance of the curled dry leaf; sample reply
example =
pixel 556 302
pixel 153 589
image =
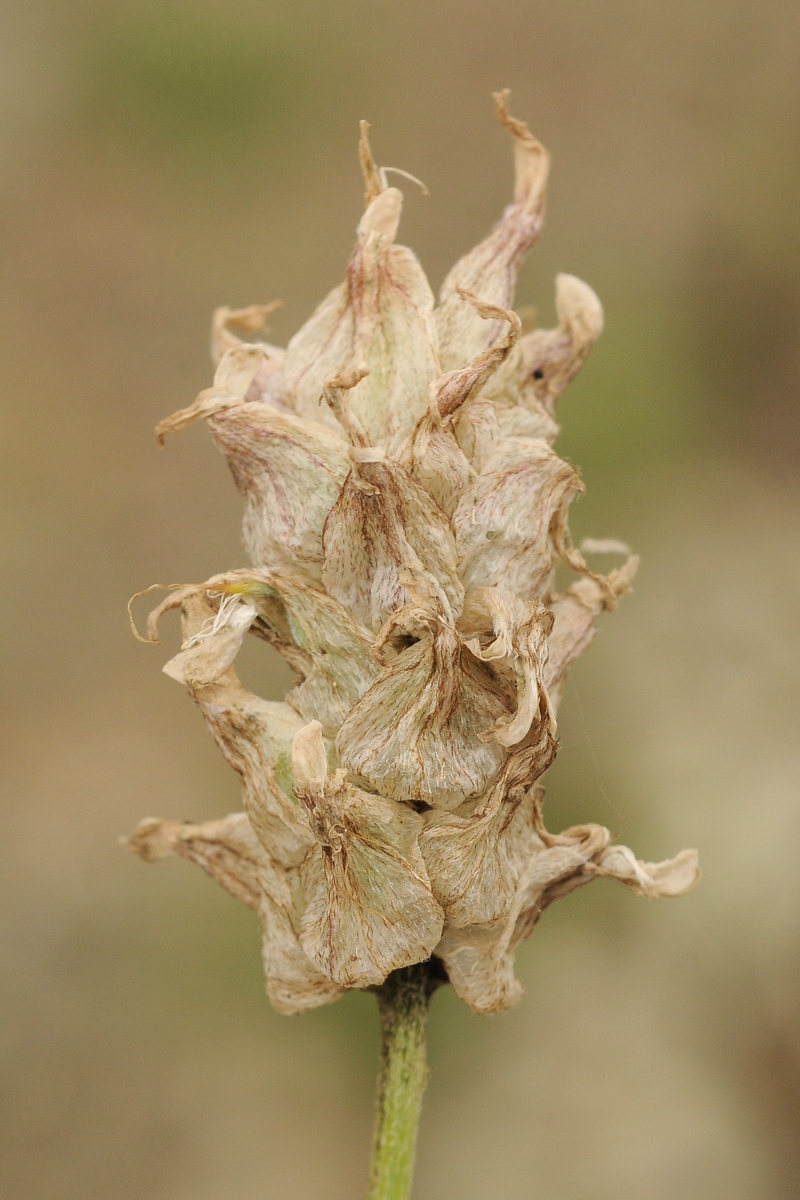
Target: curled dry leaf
pixel 404 513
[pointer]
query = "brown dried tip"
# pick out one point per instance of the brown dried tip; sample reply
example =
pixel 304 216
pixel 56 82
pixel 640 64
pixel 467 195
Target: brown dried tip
pixel 518 129
pixel 532 161
pixel 369 168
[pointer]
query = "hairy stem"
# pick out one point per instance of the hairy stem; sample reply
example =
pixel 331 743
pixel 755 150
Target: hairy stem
pixel 403 1004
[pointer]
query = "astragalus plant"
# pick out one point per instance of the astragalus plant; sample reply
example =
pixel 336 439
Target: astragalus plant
pixel 404 515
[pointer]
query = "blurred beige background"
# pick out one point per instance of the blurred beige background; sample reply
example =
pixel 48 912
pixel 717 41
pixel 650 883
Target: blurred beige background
pixel 160 157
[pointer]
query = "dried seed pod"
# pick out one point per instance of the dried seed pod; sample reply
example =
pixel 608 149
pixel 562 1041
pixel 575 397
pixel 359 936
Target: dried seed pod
pixel 404 512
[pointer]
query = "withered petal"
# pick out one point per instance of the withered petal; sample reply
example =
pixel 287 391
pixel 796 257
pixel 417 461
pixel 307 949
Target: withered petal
pixel 369 909
pixel 672 877
pixel 433 455
pixel 380 319
pixel 480 958
pixel 255 738
pixel 227 323
pixel 490 270
pixel 475 862
pixel 477 431
pixel 511 634
pixel 233 377
pixel 230 853
pixel 575 614
pixel 434 459
pixel 290 472
pixel 510 525
pixel 415 735
pixel 208 652
pixel 317 636
pixel 226 849
pixel 526 387
pixel 382 533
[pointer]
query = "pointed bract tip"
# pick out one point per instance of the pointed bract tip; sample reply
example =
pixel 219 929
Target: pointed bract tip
pixel 579 308
pixel 531 158
pixel 517 128
pixel 309 761
pixel 150 839
pixel 335 394
pixel 369 168
pixel 492 311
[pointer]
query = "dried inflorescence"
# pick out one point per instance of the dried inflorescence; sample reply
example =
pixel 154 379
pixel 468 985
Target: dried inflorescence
pixel 404 514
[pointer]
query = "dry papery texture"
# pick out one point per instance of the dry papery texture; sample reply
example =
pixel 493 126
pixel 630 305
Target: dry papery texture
pixel 404 515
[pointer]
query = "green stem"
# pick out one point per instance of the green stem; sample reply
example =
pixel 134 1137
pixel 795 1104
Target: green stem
pixel 403 1005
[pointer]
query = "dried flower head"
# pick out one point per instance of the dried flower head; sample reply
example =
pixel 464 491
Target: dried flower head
pixel 404 514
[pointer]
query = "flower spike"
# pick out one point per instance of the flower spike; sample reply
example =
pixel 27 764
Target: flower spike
pixel 404 513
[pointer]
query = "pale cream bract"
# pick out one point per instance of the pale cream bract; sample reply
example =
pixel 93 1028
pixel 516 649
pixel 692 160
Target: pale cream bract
pixel 404 515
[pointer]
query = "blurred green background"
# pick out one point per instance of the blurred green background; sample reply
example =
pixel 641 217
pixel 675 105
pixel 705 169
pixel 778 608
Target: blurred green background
pixel 160 158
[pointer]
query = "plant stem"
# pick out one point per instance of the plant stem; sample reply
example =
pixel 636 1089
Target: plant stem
pixel 403 1005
